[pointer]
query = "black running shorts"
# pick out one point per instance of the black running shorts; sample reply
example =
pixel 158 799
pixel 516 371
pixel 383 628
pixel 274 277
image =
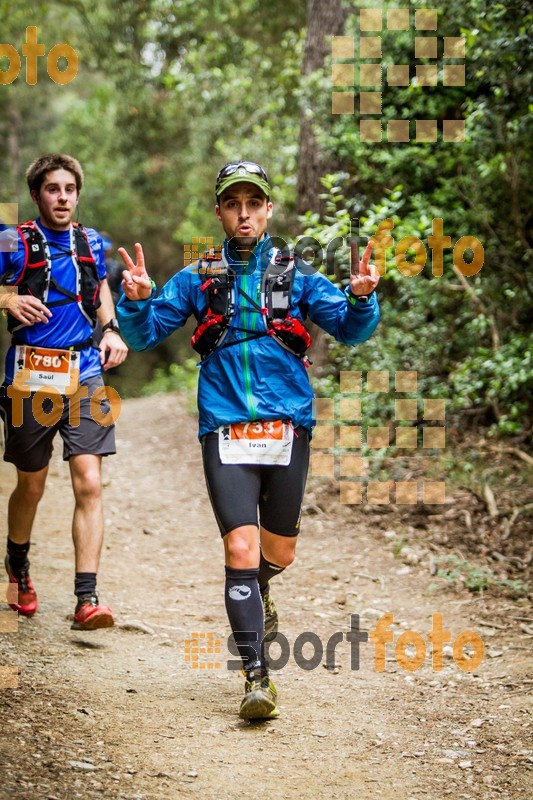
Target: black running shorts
pixel 29 446
pixel 238 491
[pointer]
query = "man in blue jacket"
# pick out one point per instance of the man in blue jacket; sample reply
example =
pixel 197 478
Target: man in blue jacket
pixel 254 395
pixel 54 289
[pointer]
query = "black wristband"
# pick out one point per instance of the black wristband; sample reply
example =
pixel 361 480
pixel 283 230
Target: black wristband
pixel 112 325
pixel 355 298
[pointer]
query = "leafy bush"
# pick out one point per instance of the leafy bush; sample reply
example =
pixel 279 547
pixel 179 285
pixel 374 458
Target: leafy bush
pixel 433 325
pixel 177 378
pixel 477 579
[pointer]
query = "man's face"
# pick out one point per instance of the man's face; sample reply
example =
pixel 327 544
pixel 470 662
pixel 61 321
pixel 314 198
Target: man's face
pixel 57 199
pixel 244 212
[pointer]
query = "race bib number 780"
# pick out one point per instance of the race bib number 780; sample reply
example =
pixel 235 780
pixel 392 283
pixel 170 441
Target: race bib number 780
pixel 45 367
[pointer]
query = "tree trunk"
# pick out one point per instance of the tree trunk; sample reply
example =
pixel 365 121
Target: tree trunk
pixel 325 18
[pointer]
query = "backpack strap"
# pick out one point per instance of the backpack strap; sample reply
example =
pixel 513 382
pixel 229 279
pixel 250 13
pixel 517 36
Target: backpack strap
pixel 82 247
pixel 277 284
pixel 219 285
pixel 37 256
pixel 36 253
pixel 288 331
pixel 36 274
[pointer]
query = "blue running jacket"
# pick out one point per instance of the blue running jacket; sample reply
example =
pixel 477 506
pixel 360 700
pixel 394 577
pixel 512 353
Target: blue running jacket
pixel 257 379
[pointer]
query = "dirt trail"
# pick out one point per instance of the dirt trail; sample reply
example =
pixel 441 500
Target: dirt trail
pixel 121 714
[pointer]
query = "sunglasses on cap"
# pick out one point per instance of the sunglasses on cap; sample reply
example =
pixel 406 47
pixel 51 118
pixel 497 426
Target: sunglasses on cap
pixel 250 166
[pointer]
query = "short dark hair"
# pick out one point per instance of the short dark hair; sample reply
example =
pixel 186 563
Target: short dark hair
pixel 36 172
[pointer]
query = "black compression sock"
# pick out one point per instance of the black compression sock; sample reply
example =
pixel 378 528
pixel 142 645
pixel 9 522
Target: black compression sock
pixel 18 555
pixel 245 614
pixel 267 570
pixel 84 583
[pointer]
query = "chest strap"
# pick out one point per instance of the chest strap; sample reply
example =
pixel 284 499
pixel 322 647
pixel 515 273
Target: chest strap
pixel 74 347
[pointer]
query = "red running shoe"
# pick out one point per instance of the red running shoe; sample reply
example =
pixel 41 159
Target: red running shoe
pixel 89 615
pixel 27 596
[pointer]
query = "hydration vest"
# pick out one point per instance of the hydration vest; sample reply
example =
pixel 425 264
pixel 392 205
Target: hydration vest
pixel 36 276
pixel 222 293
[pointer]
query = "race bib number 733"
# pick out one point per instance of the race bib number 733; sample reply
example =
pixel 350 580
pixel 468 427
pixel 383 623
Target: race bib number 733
pixel 261 442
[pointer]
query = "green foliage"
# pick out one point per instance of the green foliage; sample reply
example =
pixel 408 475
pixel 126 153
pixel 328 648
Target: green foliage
pixel 502 379
pixel 420 317
pixel 477 579
pixel 162 99
pixel 177 378
pixel 398 547
pixel 467 339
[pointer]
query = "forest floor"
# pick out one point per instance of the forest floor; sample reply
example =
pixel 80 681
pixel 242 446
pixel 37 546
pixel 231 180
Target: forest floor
pixel 121 713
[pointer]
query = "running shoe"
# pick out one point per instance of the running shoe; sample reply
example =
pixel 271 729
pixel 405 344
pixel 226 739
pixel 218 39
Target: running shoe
pixel 271 617
pixel 90 615
pixel 27 596
pixel 259 700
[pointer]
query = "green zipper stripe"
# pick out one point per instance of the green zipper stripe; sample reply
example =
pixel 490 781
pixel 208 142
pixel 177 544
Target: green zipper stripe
pixel 247 378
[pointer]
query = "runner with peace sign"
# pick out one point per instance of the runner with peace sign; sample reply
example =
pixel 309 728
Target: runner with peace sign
pixel 254 397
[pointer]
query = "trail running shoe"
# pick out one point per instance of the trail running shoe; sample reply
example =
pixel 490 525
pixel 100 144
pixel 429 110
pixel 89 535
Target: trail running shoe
pixel 271 617
pixel 89 615
pixel 259 701
pixel 27 596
